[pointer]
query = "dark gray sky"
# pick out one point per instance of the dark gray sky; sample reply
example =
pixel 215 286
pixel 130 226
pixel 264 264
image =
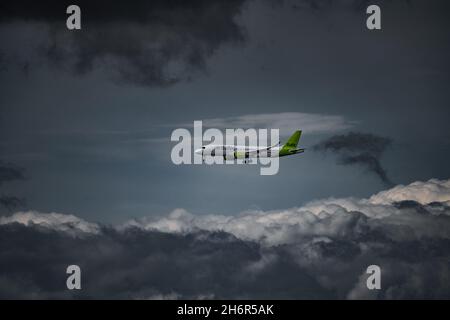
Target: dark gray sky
pixel 88 114
pixel 86 176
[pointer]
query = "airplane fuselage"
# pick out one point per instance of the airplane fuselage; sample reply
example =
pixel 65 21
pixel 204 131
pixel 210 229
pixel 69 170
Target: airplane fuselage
pixel 230 152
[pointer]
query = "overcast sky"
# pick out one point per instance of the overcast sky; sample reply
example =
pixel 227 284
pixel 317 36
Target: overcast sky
pixel 88 114
pixel 86 177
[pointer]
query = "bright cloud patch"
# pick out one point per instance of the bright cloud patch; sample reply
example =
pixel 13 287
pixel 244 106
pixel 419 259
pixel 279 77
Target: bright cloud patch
pixel 55 221
pixel 327 217
pixel 433 190
pixel 287 122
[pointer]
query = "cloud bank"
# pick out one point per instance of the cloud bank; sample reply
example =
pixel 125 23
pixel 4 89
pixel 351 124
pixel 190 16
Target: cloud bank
pixel 318 250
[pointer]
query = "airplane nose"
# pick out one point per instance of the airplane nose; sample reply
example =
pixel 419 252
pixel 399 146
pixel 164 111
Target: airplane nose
pixel 198 151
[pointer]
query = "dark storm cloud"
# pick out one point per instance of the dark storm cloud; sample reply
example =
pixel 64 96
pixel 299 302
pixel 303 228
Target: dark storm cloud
pixel 8 173
pixel 11 202
pixel 300 255
pixel 139 265
pixel 361 149
pixel 322 5
pixel 154 43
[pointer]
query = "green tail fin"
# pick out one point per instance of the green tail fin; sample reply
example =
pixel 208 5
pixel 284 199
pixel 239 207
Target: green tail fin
pixel 291 144
pixel 293 140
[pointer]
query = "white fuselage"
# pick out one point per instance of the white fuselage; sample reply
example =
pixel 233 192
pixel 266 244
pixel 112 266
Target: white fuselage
pixel 230 152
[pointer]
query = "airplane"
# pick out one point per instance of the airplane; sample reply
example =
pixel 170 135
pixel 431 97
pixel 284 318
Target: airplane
pixel 231 152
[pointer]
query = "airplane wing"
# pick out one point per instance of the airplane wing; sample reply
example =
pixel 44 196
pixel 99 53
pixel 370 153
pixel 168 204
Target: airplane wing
pixel 266 148
pixel 257 151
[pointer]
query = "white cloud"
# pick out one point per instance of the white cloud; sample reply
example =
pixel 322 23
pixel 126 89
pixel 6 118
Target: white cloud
pixel 326 218
pixel 55 221
pixel 433 190
pixel 320 249
pixel 287 122
pixel 323 218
